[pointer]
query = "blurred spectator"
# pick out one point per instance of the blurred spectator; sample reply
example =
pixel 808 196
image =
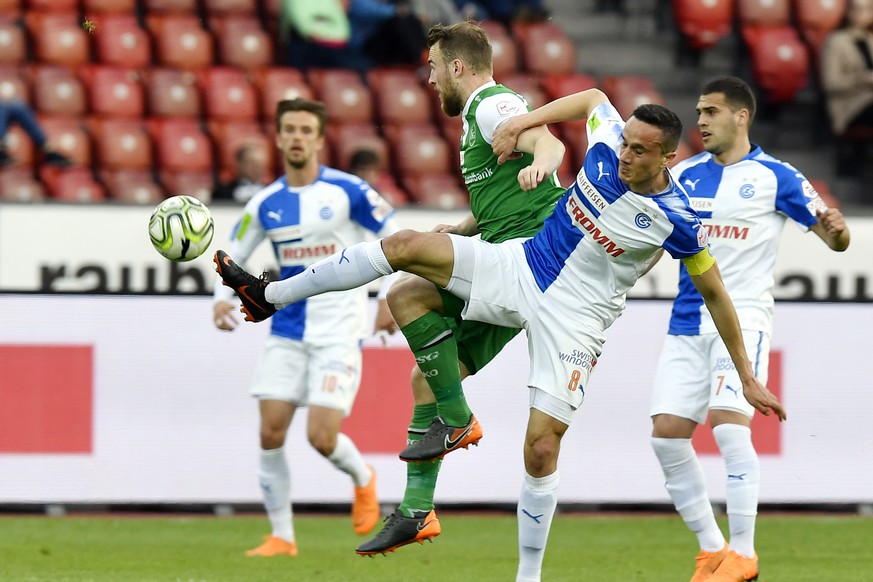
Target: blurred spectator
pixel 16 111
pixel 847 82
pixel 379 32
pixel 251 163
pixel 367 165
pixel 506 11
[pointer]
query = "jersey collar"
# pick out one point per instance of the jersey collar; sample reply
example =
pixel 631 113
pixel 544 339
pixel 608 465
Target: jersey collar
pixel 472 96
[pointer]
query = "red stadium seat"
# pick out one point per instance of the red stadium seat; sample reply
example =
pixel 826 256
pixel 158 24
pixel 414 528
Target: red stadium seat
pixel 229 137
pixel 346 138
pixel 20 147
pixel 399 96
pixel 181 41
pixel 627 92
pixel 557 86
pixel 114 91
pixel 763 12
pixel 133 186
pixel 119 40
pixel 442 191
pixel 196 184
pixel 817 18
pixel 17 184
pixel 58 38
pixel 180 145
pixel 279 83
pixel 703 22
pixel 93 7
pixel 780 62
pixel 172 93
pixel 70 138
pixel 52 5
pixel 388 188
pixel 170 6
pixel 344 95
pixel 504 55
pixel 13 47
pixel 419 149
pixel 10 8
pixel 528 86
pixel 58 91
pixel 228 94
pixel 225 7
pixel 122 144
pixel 242 42
pixel 545 48
pixel 12 84
pixel 76 185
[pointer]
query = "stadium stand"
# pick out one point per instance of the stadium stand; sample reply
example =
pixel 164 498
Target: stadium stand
pixel 13 48
pixel 703 23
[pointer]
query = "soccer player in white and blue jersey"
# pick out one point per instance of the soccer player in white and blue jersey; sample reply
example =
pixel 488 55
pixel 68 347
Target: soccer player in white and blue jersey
pixel 313 354
pixel 744 198
pixel 565 286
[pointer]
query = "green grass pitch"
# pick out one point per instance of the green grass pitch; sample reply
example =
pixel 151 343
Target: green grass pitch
pixel 474 547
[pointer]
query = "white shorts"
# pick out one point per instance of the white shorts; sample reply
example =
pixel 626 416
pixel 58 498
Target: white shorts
pixel 695 374
pixel 499 288
pixel 303 373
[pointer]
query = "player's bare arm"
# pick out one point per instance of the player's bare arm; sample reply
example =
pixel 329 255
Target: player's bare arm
pixel 384 320
pixel 548 152
pixel 569 108
pixel 467 227
pixel 708 281
pixel 831 228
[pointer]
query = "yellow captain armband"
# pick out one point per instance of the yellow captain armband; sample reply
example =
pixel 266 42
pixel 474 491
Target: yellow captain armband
pixel 699 263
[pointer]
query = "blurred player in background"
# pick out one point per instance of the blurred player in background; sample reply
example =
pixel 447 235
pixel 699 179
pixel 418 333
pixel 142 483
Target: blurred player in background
pixel 313 355
pixel 506 203
pixel 565 286
pixel 744 197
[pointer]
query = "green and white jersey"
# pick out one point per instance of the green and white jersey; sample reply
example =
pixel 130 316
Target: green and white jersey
pixel 502 209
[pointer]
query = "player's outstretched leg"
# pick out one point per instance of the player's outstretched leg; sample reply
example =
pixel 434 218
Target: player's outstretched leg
pixel 249 288
pixel 400 530
pixel 441 439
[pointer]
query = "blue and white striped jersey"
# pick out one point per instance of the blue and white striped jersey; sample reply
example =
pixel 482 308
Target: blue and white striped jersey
pixel 602 236
pixel 743 206
pixel 305 225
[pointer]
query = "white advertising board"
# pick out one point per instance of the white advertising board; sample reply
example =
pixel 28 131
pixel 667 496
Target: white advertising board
pixel 53 248
pixel 162 412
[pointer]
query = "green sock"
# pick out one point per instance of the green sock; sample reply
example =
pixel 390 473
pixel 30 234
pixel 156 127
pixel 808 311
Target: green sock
pixel 421 478
pixel 436 353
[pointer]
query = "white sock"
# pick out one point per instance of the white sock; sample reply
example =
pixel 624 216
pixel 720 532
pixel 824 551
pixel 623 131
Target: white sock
pixel 536 508
pixel 350 268
pixel 743 477
pixel 275 479
pixel 348 459
pixel 687 488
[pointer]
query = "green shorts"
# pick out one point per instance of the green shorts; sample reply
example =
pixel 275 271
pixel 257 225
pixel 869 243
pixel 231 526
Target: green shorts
pixel 478 342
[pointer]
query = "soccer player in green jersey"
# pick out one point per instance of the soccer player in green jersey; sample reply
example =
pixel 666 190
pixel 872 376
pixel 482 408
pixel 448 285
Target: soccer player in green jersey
pixel 507 201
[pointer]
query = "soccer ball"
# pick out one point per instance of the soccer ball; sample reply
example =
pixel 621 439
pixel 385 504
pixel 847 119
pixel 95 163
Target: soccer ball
pixel 181 228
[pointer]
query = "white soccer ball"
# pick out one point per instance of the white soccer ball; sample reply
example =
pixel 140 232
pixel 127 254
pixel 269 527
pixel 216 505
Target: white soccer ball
pixel 181 228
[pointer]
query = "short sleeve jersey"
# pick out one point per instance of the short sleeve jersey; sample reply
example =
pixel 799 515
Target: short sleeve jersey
pixel 744 207
pixel 602 236
pixel 501 208
pixel 307 224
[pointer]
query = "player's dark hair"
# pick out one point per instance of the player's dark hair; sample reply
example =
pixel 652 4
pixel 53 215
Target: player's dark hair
pixel 243 150
pixel 737 94
pixel 665 120
pixel 465 41
pixel 297 104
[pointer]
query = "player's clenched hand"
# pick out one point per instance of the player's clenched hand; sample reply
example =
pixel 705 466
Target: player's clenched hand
pixel 531 176
pixel 222 312
pixel 505 138
pixel 832 220
pixel 762 399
